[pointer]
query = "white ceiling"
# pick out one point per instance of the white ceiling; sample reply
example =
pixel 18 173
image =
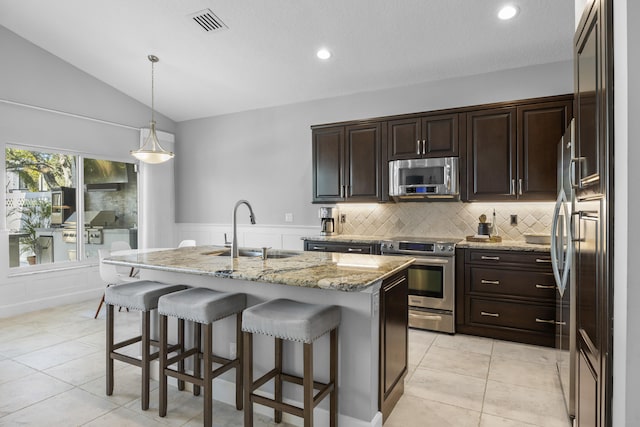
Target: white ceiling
pixel 266 57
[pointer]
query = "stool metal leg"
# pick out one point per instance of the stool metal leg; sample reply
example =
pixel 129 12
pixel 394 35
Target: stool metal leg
pixel 181 343
pixel 197 343
pixel 248 377
pixel 239 356
pixel 162 411
pixel 109 349
pixel 208 380
pixel 307 385
pixel 333 379
pixel 277 415
pixel 146 332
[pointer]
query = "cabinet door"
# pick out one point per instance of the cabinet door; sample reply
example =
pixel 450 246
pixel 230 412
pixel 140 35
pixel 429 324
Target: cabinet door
pixel 588 110
pixel 363 163
pixel 540 127
pixel 394 325
pixel 328 164
pixel 491 154
pixel 404 139
pixel 440 135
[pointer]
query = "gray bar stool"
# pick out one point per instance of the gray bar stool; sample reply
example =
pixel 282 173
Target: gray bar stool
pixel 143 296
pixel 203 307
pixel 293 321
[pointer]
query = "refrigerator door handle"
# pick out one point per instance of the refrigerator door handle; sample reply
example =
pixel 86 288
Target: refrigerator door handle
pixel 561 279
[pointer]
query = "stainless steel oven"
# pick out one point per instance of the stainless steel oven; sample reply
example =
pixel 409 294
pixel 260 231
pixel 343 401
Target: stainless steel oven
pixel 431 280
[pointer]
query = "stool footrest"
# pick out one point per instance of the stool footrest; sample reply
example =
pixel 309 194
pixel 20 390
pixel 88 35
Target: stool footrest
pixel 224 368
pixel 290 409
pixel 125 343
pixel 263 379
pixel 183 376
pixel 181 356
pixel 127 359
pixel 298 380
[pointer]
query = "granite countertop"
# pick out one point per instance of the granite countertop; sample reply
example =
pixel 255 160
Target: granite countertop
pixel 505 245
pixel 342 272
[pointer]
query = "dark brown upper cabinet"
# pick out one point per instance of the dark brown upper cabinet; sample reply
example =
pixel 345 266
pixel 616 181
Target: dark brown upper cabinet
pixel 540 127
pixel 347 164
pixel 491 154
pixel 512 151
pixel 429 136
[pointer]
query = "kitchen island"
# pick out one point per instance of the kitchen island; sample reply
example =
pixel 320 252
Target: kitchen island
pixel 370 290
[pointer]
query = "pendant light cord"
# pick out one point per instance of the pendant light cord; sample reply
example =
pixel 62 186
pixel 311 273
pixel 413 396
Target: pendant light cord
pixel 153 63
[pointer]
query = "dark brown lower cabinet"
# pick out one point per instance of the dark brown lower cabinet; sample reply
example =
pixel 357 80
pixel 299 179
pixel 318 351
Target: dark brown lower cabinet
pixel 394 338
pixel 508 295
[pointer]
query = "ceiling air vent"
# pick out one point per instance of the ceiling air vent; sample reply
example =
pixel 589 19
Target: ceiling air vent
pixel 208 21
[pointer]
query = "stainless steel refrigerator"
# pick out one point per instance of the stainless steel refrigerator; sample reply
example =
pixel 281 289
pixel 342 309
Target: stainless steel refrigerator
pixel 561 258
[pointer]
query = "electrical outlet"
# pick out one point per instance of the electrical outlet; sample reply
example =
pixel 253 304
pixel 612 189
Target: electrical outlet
pixel 343 218
pixel 514 220
pixel 288 217
pixel 232 350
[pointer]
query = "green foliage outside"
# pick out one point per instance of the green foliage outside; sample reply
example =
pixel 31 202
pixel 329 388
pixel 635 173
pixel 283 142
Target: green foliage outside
pixel 34 216
pixel 55 169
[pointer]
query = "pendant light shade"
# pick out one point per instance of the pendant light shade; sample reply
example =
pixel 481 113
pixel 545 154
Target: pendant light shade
pixel 151 151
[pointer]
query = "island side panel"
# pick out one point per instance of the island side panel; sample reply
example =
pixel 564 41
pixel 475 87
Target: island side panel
pixel 358 368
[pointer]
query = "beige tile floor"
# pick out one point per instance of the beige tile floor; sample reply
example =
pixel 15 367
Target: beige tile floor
pixel 52 373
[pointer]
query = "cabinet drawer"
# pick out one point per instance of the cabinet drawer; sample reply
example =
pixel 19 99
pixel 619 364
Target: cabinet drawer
pixel 513 283
pixel 527 316
pixel 538 260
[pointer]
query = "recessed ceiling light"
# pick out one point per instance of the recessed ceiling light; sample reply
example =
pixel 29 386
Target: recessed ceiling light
pixel 507 12
pixel 323 54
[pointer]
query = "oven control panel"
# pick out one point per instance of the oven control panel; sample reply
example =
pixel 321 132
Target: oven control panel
pixel 418 247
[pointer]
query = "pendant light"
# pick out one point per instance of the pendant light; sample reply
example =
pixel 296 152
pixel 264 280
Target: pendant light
pixel 151 151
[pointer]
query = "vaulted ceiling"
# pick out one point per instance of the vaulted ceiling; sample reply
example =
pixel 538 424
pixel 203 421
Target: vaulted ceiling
pixel 265 54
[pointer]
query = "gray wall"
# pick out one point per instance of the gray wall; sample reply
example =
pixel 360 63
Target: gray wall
pixel 265 155
pixel 31 75
pixel 632 196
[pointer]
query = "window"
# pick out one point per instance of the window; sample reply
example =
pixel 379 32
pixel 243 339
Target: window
pixel 43 205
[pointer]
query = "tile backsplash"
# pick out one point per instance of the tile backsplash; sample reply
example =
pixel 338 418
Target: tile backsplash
pixel 444 219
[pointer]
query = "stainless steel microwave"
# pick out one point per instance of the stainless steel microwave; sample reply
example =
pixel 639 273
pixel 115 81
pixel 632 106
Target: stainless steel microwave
pixel 416 179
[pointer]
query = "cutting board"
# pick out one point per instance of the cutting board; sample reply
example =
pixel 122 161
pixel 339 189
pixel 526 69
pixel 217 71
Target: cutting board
pixel 492 239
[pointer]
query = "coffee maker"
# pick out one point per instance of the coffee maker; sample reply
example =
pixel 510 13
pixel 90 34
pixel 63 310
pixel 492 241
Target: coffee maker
pixel 329 221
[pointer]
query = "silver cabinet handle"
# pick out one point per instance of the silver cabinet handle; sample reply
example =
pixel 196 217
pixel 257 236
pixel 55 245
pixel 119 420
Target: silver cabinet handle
pixel 354 249
pixel 520 187
pixel 418 147
pixel 490 258
pixel 545 286
pixel 543 260
pixel 424 146
pixel 319 248
pixel 484 313
pixel 513 187
pixel 552 322
pixel 561 323
pixel 490 282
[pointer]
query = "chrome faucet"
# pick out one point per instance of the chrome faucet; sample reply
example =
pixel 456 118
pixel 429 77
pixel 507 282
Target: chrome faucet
pixel 234 240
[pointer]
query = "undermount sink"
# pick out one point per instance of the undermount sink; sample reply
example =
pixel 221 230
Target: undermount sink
pixel 257 253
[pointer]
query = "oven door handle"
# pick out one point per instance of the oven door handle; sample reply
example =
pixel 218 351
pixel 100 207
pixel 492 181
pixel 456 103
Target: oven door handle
pixel 430 261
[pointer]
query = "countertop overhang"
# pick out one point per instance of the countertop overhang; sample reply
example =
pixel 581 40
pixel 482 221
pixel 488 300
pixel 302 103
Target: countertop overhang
pixel 324 270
